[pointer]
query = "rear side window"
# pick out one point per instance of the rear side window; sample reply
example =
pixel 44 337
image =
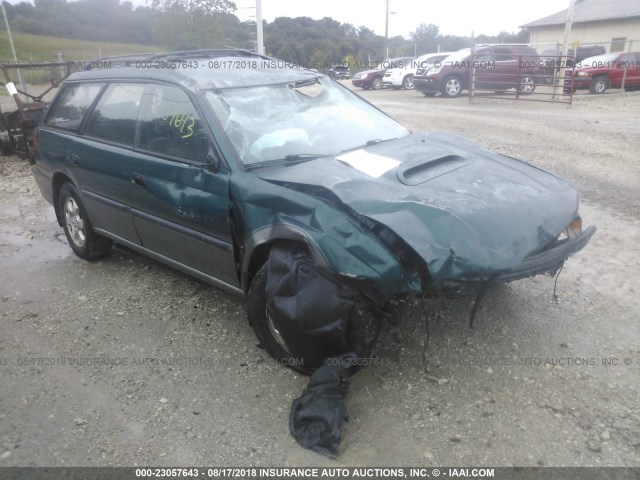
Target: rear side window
pixel 170 125
pixel 504 54
pixel 71 105
pixel 114 118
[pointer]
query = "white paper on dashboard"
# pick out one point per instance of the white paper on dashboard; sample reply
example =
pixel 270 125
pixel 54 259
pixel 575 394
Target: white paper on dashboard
pixel 373 165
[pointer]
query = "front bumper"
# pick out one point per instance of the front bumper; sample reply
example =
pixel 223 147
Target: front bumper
pixel 426 84
pixel 392 81
pixel 360 83
pixel 547 262
pixel 581 82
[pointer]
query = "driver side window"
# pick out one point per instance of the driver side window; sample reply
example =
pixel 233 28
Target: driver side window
pixel 169 125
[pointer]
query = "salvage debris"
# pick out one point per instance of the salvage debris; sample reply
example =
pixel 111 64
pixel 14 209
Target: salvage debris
pixel 317 414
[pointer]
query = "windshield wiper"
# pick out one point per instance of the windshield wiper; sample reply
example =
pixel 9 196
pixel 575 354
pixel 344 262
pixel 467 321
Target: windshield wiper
pixel 303 156
pixel 369 143
pixel 293 158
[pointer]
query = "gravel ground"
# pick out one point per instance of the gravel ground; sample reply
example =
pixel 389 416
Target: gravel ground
pixel 538 381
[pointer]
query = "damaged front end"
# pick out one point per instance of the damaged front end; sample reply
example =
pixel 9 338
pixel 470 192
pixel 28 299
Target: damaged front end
pixel 451 219
pixel 320 278
pixel 336 201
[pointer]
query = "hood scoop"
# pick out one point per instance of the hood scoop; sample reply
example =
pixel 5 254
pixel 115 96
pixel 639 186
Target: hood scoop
pixel 423 170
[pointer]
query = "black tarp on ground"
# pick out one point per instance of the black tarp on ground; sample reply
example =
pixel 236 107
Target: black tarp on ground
pixel 316 416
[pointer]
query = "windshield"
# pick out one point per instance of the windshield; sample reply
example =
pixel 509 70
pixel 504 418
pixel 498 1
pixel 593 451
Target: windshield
pixel 309 119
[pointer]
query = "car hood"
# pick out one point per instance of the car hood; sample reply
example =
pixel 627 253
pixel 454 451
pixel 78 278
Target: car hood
pixel 467 211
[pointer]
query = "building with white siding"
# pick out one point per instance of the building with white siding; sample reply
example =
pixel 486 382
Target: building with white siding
pixel 615 24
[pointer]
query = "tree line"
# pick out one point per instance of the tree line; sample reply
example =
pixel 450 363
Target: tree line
pixel 200 24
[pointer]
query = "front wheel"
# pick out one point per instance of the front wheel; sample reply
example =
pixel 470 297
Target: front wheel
pixel 376 83
pixel 451 87
pixel 82 239
pixel 298 345
pixel 527 85
pixel 407 83
pixel 599 85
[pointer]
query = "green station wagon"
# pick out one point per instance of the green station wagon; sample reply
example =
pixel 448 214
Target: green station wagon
pixel 278 183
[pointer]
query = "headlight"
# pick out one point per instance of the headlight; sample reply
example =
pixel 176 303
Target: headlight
pixel 575 228
pixel 583 74
pixel 364 76
pixel 434 71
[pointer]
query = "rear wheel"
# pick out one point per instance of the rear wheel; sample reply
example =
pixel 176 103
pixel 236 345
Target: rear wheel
pixel 82 239
pixel 407 83
pixel 451 87
pixel 599 85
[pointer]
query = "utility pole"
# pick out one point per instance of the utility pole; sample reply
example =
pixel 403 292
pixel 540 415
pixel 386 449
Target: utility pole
pixel 259 32
pixel 565 48
pixel 386 32
pixel 15 58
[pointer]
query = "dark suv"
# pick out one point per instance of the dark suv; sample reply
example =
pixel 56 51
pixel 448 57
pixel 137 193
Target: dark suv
pixel 497 67
pixel 339 72
pixel 283 185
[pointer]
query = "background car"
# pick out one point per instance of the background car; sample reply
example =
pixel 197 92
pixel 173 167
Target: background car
pixel 339 72
pixel 498 67
pixel 553 58
pixel 373 78
pixel 608 71
pixel 397 78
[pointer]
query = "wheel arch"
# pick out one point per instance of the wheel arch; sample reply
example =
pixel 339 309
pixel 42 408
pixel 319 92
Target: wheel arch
pixel 57 181
pixel 260 243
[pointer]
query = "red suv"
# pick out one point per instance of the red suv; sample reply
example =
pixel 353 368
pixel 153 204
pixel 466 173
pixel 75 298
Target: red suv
pixel 604 71
pixel 497 67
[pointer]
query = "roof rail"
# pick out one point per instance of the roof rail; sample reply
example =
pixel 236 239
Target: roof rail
pixel 130 60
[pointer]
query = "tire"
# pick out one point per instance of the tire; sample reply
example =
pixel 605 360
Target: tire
pixel 599 85
pixel 376 83
pixel 451 86
pixel 407 82
pixel 262 324
pixel 84 242
pixel 362 331
pixel 527 85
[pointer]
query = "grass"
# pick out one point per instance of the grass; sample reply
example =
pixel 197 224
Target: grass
pixel 40 48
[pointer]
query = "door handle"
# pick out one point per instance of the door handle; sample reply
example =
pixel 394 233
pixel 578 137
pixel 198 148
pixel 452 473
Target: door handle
pixel 138 180
pixel 74 159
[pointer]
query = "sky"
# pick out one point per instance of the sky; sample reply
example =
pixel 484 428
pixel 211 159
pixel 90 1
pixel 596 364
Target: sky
pixel 454 17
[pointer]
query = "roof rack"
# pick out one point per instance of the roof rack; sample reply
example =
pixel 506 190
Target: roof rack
pixel 130 60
